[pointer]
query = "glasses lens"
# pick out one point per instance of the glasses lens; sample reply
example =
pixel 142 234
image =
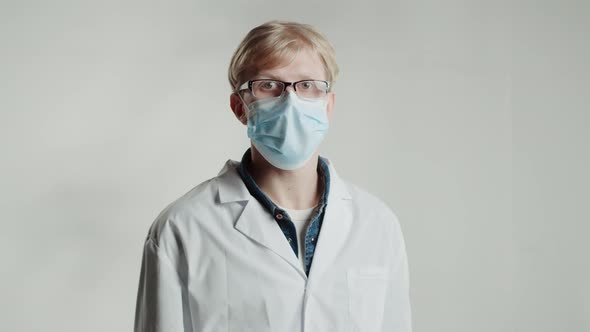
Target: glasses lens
pixel 267 89
pixel 311 89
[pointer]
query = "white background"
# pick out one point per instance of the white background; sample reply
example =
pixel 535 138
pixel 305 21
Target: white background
pixel 469 118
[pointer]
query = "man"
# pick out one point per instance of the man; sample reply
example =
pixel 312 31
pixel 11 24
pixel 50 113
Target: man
pixel 278 241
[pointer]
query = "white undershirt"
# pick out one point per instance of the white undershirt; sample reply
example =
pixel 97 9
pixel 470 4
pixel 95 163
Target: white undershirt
pixel 301 220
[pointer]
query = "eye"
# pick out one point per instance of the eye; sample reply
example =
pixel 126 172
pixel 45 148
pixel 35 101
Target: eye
pixel 268 85
pixel 306 85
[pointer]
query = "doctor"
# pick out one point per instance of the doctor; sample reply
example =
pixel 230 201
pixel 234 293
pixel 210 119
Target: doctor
pixel 278 241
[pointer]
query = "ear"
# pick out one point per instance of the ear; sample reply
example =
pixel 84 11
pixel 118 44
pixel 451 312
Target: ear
pixel 237 106
pixel 330 106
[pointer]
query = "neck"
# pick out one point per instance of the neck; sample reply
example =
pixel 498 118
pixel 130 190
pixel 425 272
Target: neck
pixel 297 189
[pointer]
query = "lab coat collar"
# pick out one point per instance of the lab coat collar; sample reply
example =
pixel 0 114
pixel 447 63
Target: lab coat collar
pixel 256 223
pixel 230 186
pixel 233 189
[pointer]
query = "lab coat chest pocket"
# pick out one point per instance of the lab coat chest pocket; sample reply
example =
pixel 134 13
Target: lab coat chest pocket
pixel 367 287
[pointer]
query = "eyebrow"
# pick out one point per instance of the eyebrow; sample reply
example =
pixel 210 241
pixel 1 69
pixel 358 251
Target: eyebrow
pixel 266 77
pixel 305 76
pixel 280 80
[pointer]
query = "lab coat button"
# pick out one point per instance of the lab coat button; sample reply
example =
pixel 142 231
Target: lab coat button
pixel 279 216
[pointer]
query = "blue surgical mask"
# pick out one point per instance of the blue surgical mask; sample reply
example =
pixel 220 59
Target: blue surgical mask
pixel 287 130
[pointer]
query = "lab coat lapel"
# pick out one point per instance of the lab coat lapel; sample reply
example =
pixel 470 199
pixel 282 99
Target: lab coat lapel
pixel 255 221
pixel 336 227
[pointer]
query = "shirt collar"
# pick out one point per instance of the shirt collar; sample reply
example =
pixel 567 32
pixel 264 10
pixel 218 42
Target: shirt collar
pixel 323 171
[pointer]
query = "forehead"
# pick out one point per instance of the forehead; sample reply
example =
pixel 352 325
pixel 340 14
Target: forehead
pixel 305 64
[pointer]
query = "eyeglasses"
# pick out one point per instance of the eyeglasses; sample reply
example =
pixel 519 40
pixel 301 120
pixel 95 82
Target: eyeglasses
pixel 309 89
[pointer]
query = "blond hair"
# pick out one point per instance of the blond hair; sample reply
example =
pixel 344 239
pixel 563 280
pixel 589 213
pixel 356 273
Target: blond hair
pixel 277 42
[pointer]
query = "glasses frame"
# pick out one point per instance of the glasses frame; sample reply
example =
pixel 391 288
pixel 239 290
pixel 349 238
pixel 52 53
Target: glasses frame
pixel 248 85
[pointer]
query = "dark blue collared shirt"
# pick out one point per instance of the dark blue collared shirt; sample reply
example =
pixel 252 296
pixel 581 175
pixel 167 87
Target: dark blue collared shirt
pixel 282 218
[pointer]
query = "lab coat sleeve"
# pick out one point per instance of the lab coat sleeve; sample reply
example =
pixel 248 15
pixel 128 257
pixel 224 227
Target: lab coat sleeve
pixel 162 303
pixel 398 315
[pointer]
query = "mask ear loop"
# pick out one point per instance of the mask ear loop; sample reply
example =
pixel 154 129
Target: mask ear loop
pixel 248 113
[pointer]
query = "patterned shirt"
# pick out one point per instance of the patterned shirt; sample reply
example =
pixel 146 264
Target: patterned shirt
pixel 282 217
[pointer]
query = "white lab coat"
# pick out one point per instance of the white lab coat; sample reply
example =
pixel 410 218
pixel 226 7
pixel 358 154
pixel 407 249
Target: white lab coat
pixel 216 260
